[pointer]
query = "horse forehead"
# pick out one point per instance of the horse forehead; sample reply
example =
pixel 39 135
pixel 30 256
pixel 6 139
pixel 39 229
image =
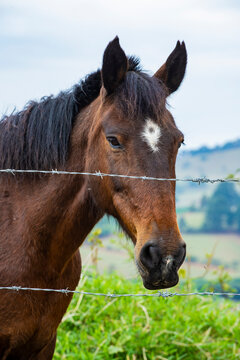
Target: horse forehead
pixel 151 134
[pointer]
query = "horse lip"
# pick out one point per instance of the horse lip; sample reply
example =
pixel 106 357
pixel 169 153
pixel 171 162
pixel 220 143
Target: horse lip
pixel 157 285
pixel 160 282
pixel 160 286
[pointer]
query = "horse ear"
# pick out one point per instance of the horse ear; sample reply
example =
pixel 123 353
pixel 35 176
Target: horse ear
pixel 115 66
pixel 172 72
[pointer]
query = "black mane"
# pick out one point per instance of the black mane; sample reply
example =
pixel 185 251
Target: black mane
pixel 38 136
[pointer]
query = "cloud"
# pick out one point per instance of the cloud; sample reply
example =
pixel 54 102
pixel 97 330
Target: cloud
pixel 47 46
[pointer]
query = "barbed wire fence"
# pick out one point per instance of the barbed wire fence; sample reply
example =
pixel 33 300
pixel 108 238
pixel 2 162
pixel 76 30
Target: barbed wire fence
pixel 161 294
pixel 200 180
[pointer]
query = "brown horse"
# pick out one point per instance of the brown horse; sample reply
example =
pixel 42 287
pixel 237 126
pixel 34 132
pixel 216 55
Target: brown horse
pixel 115 121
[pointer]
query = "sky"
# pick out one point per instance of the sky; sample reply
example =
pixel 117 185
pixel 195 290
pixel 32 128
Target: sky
pixel 49 45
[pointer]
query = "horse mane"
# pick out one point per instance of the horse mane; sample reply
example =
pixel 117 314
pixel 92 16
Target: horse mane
pixel 38 136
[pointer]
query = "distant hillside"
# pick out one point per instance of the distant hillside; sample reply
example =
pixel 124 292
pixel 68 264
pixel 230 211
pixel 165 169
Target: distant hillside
pixel 206 150
pixel 217 162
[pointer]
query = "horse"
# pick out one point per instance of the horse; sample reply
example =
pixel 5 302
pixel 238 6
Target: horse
pixel 114 121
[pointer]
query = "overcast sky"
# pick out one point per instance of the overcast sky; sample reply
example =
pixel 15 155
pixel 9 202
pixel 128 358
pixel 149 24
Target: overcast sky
pixel 48 45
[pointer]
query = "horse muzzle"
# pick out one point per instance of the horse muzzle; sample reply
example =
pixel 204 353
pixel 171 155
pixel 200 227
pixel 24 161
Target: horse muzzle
pixel 159 271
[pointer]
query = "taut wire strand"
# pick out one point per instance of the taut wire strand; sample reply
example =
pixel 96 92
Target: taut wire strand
pixel 164 294
pixel 199 180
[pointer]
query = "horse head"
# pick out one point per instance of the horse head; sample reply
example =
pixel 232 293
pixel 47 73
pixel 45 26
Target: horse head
pixel 133 133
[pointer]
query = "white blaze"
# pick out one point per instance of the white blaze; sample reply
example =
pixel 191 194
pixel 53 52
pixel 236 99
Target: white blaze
pixel 151 134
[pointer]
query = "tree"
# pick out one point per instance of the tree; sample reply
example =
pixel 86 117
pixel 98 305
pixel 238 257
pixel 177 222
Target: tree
pixel 223 209
pixel 238 219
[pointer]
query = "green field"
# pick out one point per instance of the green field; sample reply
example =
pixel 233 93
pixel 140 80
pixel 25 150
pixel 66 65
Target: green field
pixel 140 328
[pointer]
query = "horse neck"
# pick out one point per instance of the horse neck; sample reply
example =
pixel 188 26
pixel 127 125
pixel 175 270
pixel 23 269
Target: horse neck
pixel 61 210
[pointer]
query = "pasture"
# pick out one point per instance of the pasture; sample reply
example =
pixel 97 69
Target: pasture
pixel 96 328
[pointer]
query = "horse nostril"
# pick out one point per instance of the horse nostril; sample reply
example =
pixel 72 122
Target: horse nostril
pixel 181 254
pixel 150 255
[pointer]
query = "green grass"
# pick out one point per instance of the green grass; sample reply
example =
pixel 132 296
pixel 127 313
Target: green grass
pixel 146 328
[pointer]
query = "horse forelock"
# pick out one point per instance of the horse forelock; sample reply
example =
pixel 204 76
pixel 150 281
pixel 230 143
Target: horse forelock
pixel 141 96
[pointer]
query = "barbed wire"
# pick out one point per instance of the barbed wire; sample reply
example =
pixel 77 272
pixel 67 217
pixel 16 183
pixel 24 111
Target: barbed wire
pixel 199 180
pixel 164 294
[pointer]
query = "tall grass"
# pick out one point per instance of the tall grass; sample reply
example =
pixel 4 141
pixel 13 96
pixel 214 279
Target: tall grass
pixel 146 328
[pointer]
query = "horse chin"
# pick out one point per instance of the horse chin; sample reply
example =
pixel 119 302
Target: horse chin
pixel 161 284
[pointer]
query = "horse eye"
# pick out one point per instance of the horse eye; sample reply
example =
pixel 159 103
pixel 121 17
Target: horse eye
pixel 114 143
pixel 181 143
